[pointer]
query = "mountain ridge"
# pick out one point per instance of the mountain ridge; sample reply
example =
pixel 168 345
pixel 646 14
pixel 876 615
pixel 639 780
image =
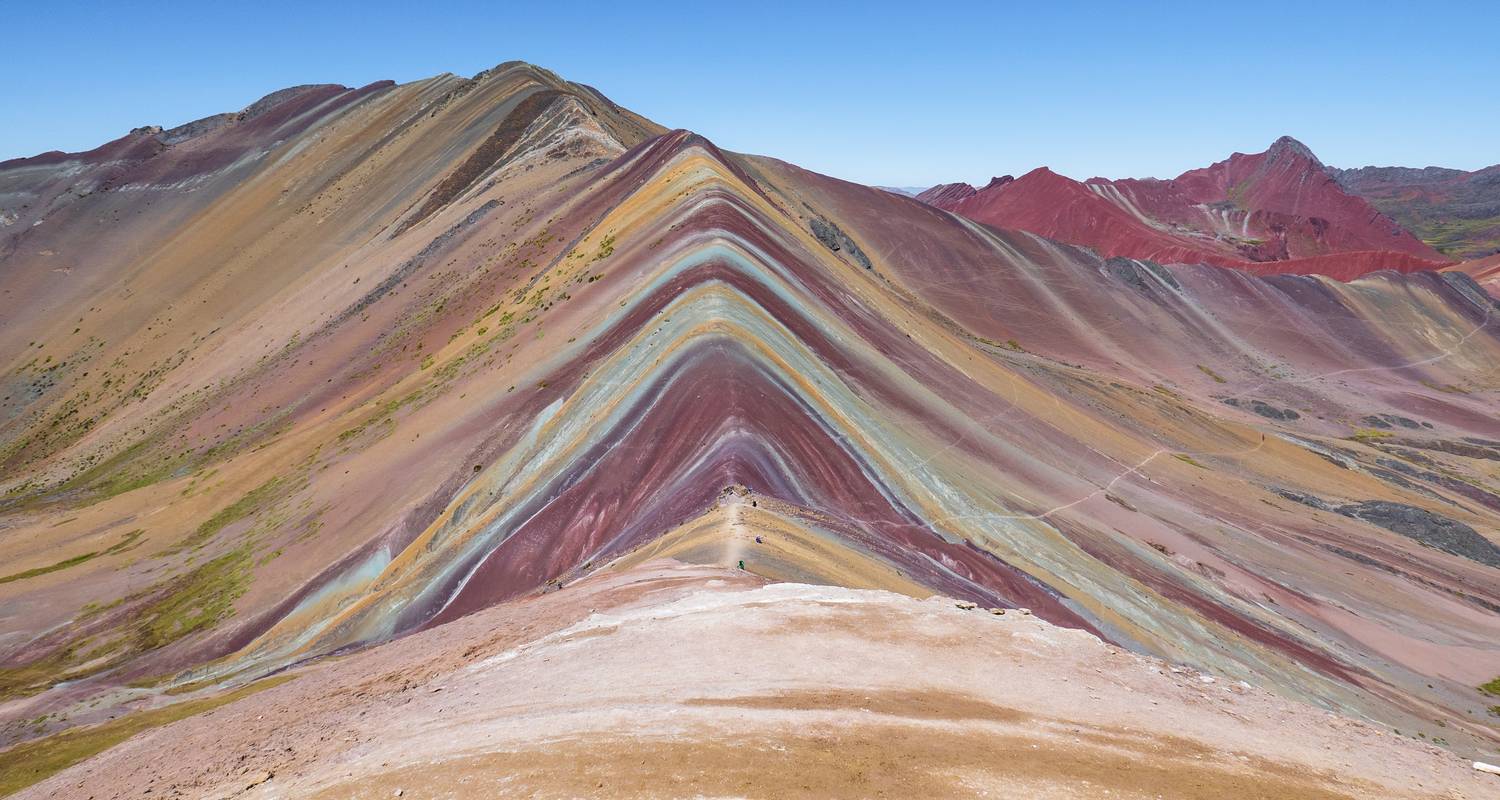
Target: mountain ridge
pixel 361 368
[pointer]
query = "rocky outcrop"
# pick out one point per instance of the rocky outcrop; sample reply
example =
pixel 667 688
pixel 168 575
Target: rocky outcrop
pixel 1431 530
pixel 836 240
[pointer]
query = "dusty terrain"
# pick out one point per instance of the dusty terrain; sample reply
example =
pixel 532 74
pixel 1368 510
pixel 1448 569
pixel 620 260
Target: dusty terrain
pixel 677 680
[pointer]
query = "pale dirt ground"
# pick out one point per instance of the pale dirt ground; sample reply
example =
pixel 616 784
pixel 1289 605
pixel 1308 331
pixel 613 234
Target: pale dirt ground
pixel 668 680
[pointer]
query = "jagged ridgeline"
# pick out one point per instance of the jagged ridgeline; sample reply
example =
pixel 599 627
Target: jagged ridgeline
pixel 355 362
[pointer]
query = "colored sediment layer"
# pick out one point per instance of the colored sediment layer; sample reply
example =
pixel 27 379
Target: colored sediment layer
pixel 407 352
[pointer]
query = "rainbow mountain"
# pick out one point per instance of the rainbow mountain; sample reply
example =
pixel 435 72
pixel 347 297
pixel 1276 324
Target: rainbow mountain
pixel 351 364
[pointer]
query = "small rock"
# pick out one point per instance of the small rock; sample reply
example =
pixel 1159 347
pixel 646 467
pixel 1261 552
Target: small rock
pixel 1023 611
pixel 258 779
pixel 997 611
pixel 966 605
pixel 400 792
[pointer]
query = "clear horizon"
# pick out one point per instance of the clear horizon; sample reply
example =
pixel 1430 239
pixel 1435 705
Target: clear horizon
pixel 858 92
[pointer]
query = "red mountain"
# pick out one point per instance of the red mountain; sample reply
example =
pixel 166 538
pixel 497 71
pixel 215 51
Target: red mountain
pixel 1265 212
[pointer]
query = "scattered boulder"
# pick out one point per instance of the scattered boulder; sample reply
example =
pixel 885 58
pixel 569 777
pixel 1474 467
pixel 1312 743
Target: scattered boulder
pixel 1305 499
pixel 1264 409
pixel 1386 421
pixel 1271 412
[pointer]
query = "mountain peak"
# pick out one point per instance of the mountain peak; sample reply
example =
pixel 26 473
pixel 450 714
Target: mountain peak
pixel 998 181
pixel 1286 146
pixel 1043 173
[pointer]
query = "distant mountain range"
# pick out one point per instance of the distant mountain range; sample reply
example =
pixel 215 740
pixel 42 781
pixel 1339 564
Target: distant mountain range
pixel 1455 211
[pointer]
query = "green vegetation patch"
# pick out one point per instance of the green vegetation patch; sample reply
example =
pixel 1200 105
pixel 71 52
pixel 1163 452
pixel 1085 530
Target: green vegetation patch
pixel 195 601
pixel 1460 238
pixel 1492 688
pixel 132 468
pixel 1009 344
pixel 1446 388
pixel 34 761
pixel 171 609
pixel 118 547
pixel 168 611
pixel 1210 373
pixel 247 505
pixel 1187 459
pixel 1370 435
pixel 606 247
pixel 31 678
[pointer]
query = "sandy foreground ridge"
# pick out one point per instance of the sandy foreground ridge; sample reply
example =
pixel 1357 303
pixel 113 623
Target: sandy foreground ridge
pixel 676 680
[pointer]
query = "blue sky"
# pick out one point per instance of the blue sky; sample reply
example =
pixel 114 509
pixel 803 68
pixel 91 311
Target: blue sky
pixel 898 93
